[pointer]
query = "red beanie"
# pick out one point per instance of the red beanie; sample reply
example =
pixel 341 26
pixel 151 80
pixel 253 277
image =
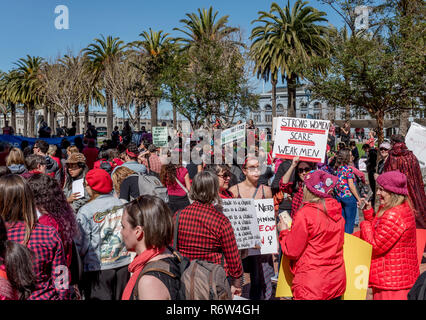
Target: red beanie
pixel 99 180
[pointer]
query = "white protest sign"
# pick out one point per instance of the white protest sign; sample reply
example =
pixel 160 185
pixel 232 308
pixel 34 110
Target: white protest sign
pixel 267 227
pixel 78 186
pixel 160 136
pixel 416 142
pixel 274 127
pixel 303 138
pixel 242 215
pixel 233 134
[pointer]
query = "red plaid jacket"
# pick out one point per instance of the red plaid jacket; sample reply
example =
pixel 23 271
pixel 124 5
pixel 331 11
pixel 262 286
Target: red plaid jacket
pixel 297 196
pixel 205 233
pixel 48 260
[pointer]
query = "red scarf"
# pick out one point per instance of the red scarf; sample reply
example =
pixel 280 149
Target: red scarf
pixel 136 267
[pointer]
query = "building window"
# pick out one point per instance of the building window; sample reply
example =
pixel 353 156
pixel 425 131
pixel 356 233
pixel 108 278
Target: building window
pixel 268 118
pixel 257 118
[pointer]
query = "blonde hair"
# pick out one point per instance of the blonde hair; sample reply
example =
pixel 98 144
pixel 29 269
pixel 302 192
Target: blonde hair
pixel 395 200
pixel 308 196
pixel 118 177
pixel 73 149
pixel 16 156
pixel 52 150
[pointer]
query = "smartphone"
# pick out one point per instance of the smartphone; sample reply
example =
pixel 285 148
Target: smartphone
pixel 286 218
pixel 367 199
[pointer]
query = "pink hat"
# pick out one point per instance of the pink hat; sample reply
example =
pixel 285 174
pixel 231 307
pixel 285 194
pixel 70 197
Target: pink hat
pixel 393 181
pixel 320 183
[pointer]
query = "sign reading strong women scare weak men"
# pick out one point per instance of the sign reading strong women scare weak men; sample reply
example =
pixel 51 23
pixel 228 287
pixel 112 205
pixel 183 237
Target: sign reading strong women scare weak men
pixel 303 138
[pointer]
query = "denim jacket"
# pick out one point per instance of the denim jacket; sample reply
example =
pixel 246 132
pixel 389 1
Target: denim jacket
pixel 100 245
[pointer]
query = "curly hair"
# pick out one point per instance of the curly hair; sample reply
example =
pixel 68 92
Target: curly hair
pixel 49 197
pixel 119 175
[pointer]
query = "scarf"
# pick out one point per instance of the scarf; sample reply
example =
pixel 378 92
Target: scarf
pixel 136 268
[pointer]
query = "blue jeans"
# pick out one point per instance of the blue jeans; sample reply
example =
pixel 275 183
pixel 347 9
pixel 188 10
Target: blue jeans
pixel 349 210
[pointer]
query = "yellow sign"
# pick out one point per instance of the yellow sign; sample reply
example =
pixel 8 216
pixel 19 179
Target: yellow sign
pixel 357 257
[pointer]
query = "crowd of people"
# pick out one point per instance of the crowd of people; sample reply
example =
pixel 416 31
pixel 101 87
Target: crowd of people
pixel 91 220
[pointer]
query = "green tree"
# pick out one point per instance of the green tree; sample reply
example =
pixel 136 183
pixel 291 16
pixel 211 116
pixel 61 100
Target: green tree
pixel 104 54
pixel 289 40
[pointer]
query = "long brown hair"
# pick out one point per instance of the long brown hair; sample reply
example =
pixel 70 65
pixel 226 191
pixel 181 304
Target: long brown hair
pixel 119 175
pixel 17 203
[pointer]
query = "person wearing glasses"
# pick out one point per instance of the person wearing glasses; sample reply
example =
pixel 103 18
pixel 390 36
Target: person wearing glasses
pixel 101 247
pixel 223 174
pixel 260 267
pixel 294 187
pixel 75 169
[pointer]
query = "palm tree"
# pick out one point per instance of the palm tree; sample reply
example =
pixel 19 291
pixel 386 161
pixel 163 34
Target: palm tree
pixel 155 45
pixel 105 53
pixel 289 40
pixel 204 27
pixel 26 88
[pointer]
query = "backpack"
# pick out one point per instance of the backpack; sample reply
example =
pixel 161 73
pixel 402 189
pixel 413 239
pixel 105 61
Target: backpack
pixel 105 165
pixel 201 280
pixel 418 291
pixel 150 184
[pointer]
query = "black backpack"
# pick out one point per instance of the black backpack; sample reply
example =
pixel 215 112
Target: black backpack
pixel 418 291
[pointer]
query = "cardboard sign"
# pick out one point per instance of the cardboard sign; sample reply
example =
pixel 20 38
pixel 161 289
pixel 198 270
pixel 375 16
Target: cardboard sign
pixel 267 227
pixel 242 215
pixel 416 142
pixel 303 138
pixel 233 134
pixel 160 136
pixel 357 256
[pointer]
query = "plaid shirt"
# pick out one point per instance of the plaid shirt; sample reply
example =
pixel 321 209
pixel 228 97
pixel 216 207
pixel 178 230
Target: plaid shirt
pixel 46 246
pixel 154 163
pixel 297 196
pixel 205 233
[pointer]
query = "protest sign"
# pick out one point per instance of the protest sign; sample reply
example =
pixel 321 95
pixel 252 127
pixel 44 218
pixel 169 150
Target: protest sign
pixel 242 215
pixel 357 256
pixel 233 134
pixel 303 138
pixel 160 136
pixel 416 142
pixel 267 227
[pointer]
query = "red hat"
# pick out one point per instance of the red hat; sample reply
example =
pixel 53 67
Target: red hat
pixel 393 181
pixel 320 183
pixel 99 180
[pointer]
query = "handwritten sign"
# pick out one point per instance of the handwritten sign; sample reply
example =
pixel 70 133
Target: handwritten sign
pixel 160 136
pixel 242 215
pixel 267 227
pixel 233 134
pixel 416 142
pixel 357 256
pixel 303 138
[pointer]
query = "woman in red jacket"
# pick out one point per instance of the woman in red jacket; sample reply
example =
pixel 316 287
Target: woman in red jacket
pixel 392 233
pixel 314 244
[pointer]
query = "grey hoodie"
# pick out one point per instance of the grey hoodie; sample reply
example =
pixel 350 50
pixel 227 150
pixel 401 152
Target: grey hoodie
pixel 17 168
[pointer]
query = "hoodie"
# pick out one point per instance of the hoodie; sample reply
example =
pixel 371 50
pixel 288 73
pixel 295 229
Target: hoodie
pixel 314 246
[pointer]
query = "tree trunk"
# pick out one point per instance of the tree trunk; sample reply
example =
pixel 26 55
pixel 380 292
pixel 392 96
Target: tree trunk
pixel 52 122
pixel 86 116
pixel 274 97
pixel 380 118
pixel 154 112
pixel 13 116
pixel 138 117
pixel 77 119
pixel 174 116
pixel 66 120
pixel 403 121
pixel 46 115
pixel 110 113
pixel 25 120
pixel 291 92
pixel 31 121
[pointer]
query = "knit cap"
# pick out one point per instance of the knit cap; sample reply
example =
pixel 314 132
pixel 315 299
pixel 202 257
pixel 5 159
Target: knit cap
pixel 76 158
pixel 393 181
pixel 99 180
pixel 320 183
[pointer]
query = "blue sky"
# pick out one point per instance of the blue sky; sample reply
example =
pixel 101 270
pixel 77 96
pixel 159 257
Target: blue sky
pixel 28 26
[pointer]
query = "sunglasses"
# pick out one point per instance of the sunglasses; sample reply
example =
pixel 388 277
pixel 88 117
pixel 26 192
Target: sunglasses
pixel 384 149
pixel 225 175
pixel 301 170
